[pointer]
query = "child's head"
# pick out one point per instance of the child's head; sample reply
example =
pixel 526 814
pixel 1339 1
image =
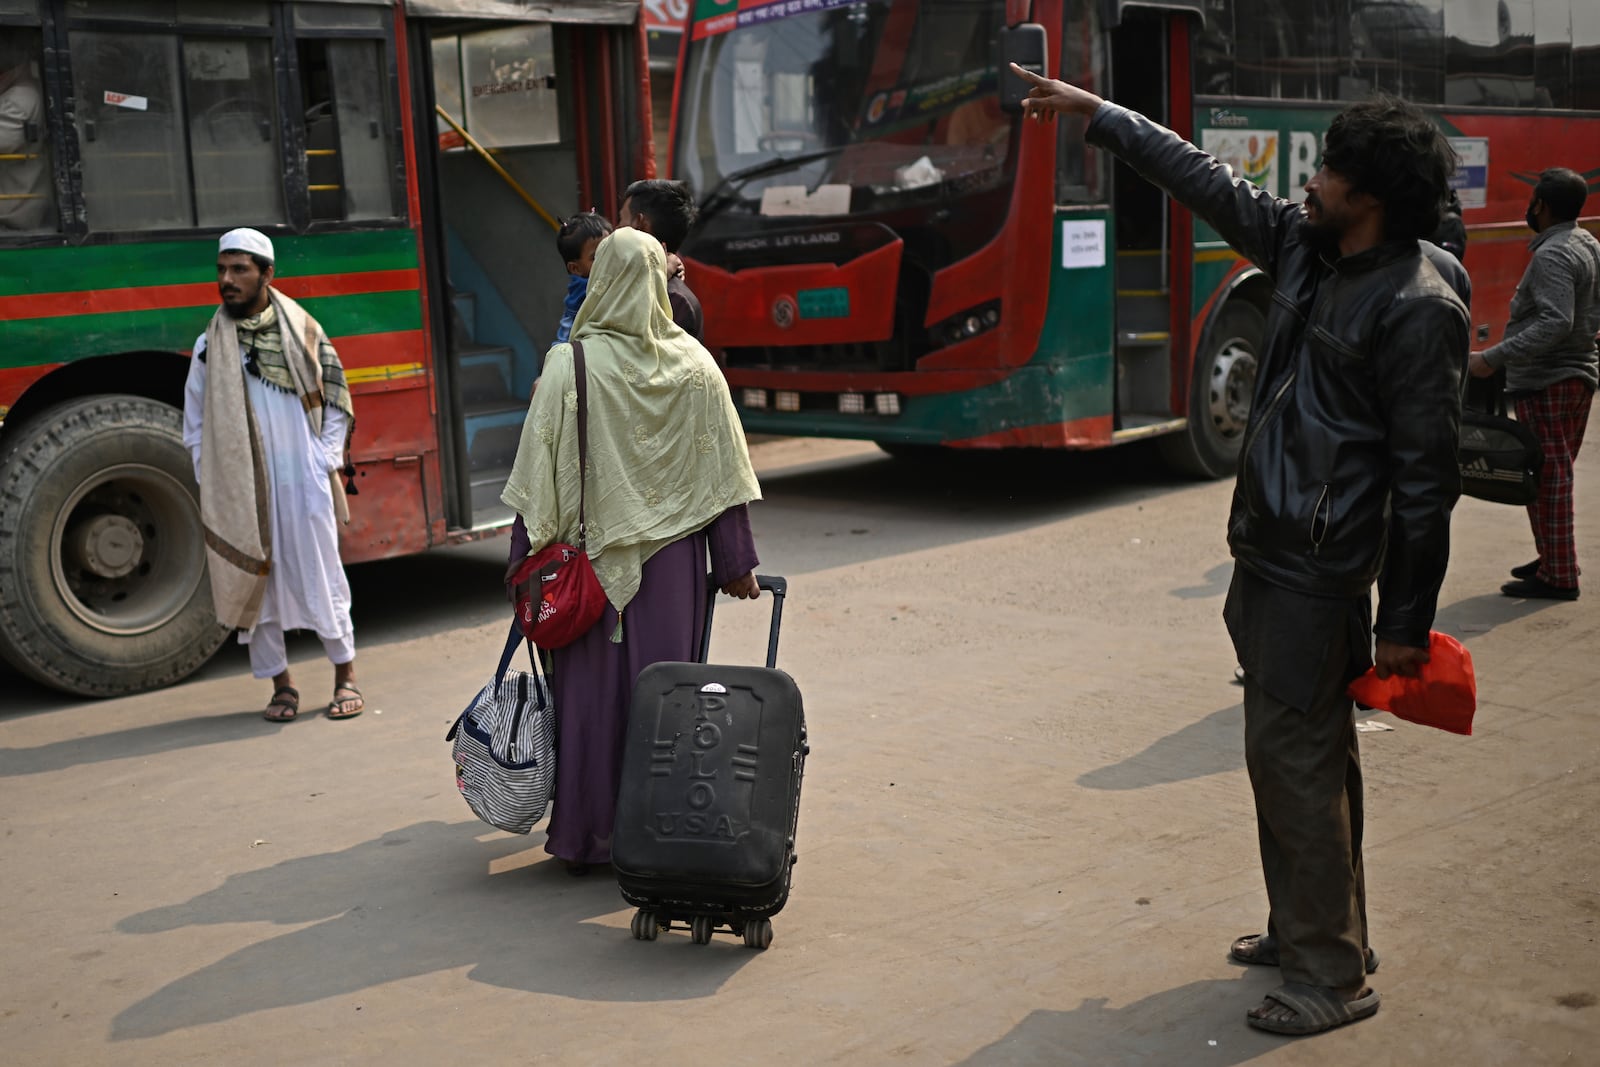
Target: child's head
pixel 578 238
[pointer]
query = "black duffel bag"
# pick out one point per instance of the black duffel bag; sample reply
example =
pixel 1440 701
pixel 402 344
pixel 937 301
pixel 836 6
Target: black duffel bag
pixel 1500 457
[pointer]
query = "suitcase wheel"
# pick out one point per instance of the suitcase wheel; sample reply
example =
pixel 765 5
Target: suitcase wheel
pixel 700 929
pixel 758 934
pixel 644 925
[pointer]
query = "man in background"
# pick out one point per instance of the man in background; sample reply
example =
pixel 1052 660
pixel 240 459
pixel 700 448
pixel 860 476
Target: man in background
pixel 665 210
pixel 1552 370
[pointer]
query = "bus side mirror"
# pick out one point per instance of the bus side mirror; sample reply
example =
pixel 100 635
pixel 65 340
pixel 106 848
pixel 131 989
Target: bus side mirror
pixel 1026 46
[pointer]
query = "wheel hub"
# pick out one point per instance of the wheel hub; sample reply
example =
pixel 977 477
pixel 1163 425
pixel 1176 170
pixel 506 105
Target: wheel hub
pixel 108 546
pixel 128 549
pixel 1233 383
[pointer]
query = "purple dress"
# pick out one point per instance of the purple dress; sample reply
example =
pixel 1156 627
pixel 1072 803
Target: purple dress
pixel 593 683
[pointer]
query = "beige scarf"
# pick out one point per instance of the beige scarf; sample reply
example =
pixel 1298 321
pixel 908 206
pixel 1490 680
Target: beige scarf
pixel 666 452
pixel 234 506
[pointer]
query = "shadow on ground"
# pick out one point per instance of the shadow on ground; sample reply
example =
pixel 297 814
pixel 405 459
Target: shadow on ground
pixel 1477 615
pixel 1212 745
pixel 415 901
pixel 1213 583
pixel 1175 1026
pixel 827 514
pixel 138 742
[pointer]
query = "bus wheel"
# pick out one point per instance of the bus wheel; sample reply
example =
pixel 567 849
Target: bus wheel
pixel 103 587
pixel 1219 401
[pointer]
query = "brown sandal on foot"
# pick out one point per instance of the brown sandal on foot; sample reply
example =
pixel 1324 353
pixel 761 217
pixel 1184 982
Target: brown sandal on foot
pixel 340 707
pixel 286 697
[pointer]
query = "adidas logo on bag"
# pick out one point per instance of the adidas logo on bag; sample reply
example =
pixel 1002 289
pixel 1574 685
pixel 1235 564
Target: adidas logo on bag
pixel 1480 468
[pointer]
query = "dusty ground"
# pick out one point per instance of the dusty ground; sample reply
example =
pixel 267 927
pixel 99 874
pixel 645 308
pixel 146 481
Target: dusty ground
pixel 1027 837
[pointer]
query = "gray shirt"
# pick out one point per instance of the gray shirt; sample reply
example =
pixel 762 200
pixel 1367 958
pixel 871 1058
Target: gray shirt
pixel 1555 314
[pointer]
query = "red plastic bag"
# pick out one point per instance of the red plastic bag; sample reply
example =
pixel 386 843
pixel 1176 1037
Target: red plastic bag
pixel 565 598
pixel 1443 695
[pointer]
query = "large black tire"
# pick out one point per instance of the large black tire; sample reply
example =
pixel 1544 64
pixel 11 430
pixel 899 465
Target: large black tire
pixel 103 586
pixel 1219 397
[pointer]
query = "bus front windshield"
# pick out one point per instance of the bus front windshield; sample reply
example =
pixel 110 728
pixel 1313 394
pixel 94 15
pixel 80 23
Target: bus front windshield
pixel 855 108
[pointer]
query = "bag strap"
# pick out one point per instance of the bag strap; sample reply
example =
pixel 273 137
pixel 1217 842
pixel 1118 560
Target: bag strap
pixel 581 374
pixel 540 681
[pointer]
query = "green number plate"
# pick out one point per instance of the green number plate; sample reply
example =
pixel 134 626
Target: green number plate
pixel 824 303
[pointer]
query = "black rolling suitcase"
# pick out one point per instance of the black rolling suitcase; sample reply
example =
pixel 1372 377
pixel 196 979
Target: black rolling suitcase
pixel 710 797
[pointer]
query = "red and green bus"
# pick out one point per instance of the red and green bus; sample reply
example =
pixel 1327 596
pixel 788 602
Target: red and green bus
pixel 402 155
pixel 885 253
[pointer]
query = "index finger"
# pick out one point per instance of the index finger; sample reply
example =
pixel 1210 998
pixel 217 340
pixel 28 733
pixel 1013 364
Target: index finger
pixel 1027 75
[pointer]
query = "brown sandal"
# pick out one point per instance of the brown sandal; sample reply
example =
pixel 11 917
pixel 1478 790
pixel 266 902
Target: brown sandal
pixel 286 697
pixel 340 707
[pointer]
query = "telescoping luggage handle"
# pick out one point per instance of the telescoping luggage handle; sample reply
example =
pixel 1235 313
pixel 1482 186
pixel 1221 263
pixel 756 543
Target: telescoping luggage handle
pixel 773 584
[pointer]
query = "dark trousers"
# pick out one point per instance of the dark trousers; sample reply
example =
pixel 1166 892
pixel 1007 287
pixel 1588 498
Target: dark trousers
pixel 1305 770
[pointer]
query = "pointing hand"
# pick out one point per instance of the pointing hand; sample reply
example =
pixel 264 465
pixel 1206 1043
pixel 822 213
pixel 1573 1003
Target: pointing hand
pixel 1049 96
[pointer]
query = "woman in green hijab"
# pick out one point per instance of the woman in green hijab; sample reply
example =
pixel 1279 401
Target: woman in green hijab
pixel 669 478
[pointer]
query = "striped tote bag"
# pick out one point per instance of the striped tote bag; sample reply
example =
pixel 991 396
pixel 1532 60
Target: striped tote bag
pixel 505 746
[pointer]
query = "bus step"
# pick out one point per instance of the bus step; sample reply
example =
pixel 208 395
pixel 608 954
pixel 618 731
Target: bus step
pixel 486 488
pixel 1137 338
pixel 464 305
pixel 484 373
pixel 1134 426
pixel 493 431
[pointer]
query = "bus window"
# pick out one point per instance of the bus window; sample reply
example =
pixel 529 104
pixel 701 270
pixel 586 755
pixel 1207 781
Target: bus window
pixel 165 12
pixel 895 100
pixel 339 17
pixel 349 130
pixel 1080 167
pixel 1552 51
pixel 130 134
pixel 1489 62
pixel 27 198
pixel 1586 56
pixel 233 132
pixel 510 89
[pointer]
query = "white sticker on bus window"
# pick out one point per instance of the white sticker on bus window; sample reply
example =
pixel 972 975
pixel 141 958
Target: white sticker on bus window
pixel 1471 179
pixel 1083 243
pixel 128 100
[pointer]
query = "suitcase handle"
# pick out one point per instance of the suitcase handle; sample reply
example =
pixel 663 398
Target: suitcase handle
pixel 772 583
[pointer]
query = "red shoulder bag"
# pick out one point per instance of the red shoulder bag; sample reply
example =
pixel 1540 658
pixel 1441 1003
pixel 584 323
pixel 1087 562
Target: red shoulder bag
pixel 564 598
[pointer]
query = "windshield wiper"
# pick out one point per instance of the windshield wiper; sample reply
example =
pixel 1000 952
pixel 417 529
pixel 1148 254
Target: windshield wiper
pixel 721 193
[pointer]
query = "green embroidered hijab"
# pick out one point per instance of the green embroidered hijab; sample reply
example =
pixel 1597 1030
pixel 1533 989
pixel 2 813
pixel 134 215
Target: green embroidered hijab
pixel 666 452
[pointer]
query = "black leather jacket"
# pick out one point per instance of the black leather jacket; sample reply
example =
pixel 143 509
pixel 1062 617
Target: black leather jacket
pixel 1348 471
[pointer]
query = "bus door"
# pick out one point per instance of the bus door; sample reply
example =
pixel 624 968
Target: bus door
pixel 1139 80
pixel 530 122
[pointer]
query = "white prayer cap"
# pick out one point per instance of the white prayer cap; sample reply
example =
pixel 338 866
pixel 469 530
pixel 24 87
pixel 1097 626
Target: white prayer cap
pixel 247 240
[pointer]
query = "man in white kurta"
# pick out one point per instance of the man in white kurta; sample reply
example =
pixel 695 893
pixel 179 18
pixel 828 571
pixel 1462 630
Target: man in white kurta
pixel 303 586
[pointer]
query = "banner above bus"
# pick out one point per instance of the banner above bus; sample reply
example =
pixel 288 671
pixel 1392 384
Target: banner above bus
pixel 600 12
pixel 1193 7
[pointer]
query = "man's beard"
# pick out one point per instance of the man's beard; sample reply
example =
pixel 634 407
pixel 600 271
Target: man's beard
pixel 1324 234
pixel 240 307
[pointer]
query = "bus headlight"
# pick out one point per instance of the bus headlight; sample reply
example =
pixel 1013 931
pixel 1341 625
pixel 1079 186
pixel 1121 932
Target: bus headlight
pixel 786 400
pixel 755 398
pixel 886 403
pixel 852 404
